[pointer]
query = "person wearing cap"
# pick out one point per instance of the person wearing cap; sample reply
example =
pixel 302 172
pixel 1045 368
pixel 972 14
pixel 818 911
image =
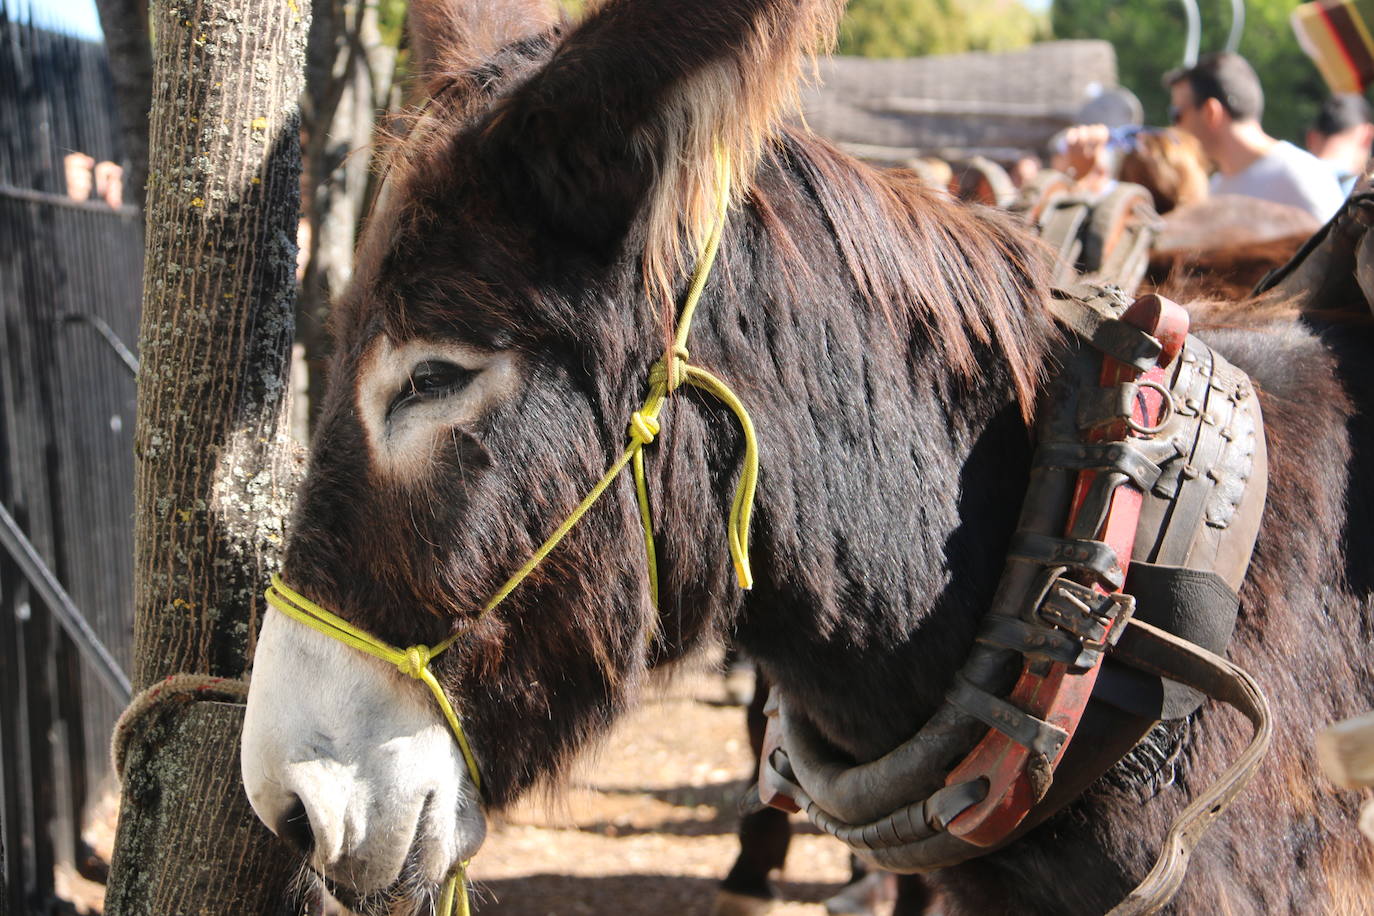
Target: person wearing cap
pixel 1219 100
pixel 1341 137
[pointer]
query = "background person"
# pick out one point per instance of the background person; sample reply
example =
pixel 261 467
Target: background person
pixel 1220 101
pixel 1170 164
pixel 1084 152
pixel 1341 137
pixel 87 178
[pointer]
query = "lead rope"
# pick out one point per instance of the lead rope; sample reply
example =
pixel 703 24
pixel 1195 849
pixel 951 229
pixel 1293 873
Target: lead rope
pixel 665 376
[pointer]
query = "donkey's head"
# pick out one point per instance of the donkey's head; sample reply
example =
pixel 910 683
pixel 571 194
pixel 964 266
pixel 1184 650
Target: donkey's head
pixel 512 289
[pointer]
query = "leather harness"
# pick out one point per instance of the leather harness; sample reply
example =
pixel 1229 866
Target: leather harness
pixel 1144 502
pixel 1106 238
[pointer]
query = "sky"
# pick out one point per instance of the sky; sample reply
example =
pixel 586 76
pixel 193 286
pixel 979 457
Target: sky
pixel 72 17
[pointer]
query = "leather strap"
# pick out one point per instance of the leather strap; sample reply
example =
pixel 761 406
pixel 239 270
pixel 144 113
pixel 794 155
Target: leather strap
pixel 994 712
pixel 1091 556
pixel 1095 323
pixel 1193 604
pixel 1153 650
pixel 1125 455
pixel 1032 640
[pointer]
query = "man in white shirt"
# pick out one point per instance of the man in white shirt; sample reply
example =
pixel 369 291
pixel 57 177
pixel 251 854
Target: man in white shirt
pixel 1219 101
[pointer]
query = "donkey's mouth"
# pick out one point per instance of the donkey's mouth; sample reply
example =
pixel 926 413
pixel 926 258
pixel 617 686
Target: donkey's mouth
pixel 377 903
pixel 355 767
pixel 407 896
pixel 410 894
pixel 420 879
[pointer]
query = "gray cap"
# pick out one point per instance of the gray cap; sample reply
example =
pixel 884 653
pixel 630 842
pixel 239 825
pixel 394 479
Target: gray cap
pixel 1115 107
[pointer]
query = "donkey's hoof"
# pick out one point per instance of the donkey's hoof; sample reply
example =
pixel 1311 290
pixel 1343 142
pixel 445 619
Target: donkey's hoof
pixel 728 903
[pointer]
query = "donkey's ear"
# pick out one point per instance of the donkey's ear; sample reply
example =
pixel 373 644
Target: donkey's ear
pixel 634 107
pixel 452 36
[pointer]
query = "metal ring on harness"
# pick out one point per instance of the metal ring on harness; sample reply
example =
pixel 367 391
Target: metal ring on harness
pixel 1166 409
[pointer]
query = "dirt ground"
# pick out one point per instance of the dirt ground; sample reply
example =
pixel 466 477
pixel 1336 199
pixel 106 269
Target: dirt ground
pixel 646 828
pixel 649 827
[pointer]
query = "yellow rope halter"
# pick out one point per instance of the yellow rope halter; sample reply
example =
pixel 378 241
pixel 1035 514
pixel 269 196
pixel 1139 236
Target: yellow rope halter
pixel 665 376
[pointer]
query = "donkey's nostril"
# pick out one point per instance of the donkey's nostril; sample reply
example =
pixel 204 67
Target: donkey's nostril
pixel 294 828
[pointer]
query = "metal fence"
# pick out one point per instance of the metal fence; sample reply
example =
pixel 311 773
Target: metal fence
pixel 70 275
pixel 55 99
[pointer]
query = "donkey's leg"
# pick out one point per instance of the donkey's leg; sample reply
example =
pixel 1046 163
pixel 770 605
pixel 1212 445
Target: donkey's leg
pixel 763 836
pixel 868 891
pixel 914 897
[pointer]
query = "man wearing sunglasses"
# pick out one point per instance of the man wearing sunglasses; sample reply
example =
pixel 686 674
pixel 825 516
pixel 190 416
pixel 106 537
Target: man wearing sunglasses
pixel 1219 101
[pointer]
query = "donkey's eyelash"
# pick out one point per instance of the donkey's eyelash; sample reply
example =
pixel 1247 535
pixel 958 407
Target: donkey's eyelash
pixel 430 380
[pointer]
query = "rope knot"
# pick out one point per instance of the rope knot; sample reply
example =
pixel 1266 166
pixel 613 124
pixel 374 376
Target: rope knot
pixel 415 662
pixel 643 427
pixel 671 370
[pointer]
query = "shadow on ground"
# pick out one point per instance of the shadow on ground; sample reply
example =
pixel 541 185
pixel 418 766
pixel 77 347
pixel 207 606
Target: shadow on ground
pixel 633 895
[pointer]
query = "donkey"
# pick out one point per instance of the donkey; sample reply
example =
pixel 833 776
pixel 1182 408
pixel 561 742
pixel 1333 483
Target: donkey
pixel 1221 247
pixel 515 284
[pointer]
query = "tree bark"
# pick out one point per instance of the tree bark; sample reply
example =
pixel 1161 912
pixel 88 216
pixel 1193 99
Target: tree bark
pixel 125 24
pixel 214 466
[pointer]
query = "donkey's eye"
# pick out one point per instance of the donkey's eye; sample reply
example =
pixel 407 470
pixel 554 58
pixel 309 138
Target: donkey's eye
pixel 431 379
pixel 435 377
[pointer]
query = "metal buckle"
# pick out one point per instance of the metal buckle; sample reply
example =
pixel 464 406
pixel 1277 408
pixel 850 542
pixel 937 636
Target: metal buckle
pixel 1095 618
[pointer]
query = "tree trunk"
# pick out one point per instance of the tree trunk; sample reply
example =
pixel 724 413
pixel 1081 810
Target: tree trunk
pixel 125 24
pixel 349 70
pixel 214 468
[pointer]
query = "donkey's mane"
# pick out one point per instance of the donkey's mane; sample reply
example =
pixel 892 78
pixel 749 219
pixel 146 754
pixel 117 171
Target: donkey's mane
pixel 967 276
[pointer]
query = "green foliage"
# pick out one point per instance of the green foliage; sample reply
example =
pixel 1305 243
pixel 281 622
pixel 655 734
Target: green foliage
pixel 391 18
pixel 911 28
pixel 1149 36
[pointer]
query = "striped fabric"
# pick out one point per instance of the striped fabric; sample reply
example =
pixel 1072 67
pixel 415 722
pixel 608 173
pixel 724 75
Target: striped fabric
pixel 1337 35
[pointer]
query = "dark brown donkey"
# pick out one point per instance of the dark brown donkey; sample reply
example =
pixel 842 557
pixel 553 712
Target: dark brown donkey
pixel 514 286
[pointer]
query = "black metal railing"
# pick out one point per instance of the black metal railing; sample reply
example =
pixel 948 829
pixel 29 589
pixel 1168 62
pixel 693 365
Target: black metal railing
pixel 70 276
pixel 69 293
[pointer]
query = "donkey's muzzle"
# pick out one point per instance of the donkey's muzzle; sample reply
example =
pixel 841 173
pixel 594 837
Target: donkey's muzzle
pixel 352 764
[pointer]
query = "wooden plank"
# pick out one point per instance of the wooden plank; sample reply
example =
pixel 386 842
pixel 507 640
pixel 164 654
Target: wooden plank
pixel 995 108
